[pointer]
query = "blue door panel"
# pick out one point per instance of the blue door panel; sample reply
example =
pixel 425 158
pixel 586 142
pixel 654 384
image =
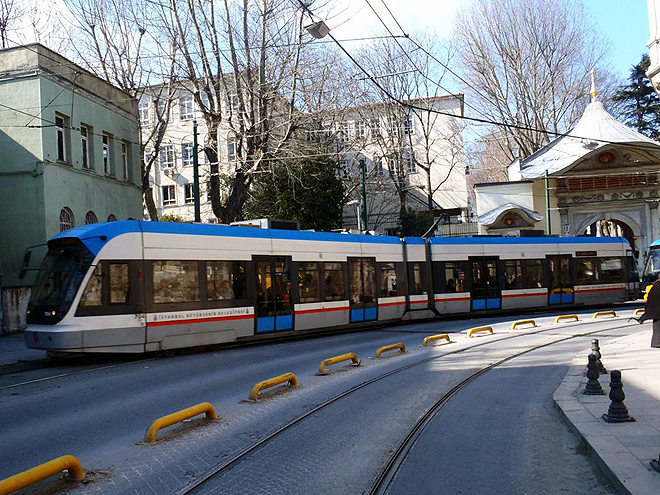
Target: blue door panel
pixel 478 304
pixel 555 298
pixel 266 324
pixel 370 314
pixel 493 303
pixel 567 298
pixel 357 314
pixel 284 322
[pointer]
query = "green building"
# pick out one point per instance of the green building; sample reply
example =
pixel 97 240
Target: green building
pixel 69 155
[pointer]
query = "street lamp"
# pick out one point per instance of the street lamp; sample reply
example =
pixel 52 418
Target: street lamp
pixel 318 29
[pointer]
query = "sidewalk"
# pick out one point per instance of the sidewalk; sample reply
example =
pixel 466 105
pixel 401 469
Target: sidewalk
pixel 623 450
pixel 13 350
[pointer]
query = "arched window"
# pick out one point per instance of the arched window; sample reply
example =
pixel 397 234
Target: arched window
pixel 111 218
pixel 90 218
pixel 66 219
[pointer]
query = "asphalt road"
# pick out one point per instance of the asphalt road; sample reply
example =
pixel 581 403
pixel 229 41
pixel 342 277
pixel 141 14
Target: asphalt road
pixel 99 416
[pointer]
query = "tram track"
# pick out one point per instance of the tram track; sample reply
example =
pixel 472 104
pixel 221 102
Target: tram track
pixel 388 472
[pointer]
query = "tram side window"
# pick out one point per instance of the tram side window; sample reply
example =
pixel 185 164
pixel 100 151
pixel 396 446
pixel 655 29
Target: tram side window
pixel 513 278
pixel 416 286
pixel 308 282
pixel 93 291
pixel 334 281
pixel 454 277
pixel 586 271
pixel 119 283
pixel 533 274
pixel 225 280
pixel 611 270
pixel 388 280
pixel 175 281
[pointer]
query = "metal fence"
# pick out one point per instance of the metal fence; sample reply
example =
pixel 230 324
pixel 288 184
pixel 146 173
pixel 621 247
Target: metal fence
pixel 457 229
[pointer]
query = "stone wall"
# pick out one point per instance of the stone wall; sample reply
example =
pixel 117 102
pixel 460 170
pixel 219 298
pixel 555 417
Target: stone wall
pixel 14 308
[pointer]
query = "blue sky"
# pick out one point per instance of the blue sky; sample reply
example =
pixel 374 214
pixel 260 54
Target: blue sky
pixel 624 22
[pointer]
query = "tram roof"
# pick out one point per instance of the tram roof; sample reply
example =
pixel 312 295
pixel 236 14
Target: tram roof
pixel 525 240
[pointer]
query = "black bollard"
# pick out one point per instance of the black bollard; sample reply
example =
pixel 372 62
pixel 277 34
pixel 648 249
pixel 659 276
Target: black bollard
pixel 656 464
pixel 618 412
pixel 593 385
pixel 595 349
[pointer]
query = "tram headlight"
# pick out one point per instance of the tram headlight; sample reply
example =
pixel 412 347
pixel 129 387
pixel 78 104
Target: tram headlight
pixel 53 313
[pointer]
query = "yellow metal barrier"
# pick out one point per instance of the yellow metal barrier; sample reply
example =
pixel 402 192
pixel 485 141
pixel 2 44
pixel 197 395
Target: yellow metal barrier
pixel 391 347
pixel 286 377
pixel 472 331
pixel 177 417
pixel 516 324
pixel 638 311
pixel 567 317
pixel 604 313
pixel 337 359
pixel 431 338
pixel 41 472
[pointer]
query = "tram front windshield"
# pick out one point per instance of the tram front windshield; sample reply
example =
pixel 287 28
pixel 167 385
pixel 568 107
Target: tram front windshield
pixel 58 281
pixel 652 266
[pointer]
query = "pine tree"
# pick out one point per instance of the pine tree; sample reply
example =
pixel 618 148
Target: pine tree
pixel 640 105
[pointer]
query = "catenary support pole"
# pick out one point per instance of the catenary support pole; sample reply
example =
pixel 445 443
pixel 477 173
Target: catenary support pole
pixel 198 215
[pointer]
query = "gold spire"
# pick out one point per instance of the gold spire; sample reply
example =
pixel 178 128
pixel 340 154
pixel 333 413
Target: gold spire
pixel 593 92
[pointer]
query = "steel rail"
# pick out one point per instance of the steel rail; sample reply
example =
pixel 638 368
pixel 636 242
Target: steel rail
pixel 388 472
pixel 191 487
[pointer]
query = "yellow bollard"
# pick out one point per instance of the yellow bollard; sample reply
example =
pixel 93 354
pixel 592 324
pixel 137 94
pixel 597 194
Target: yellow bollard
pixel 391 347
pixel 177 417
pixel 516 324
pixel 479 329
pixel 567 317
pixel 41 472
pixel 604 313
pixel 431 338
pixel 337 359
pixel 638 311
pixel 271 382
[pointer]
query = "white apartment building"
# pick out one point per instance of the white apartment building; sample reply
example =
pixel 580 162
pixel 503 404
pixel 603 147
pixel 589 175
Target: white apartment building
pixel 418 147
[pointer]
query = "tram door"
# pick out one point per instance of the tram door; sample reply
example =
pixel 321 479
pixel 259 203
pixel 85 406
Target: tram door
pixel 362 289
pixel 485 291
pixel 561 285
pixel 274 309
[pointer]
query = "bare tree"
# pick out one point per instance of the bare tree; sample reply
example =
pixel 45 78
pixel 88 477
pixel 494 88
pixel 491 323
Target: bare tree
pixel 11 12
pixel 121 42
pixel 526 63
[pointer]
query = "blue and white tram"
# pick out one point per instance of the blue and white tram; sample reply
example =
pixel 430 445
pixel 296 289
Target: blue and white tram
pixel 136 286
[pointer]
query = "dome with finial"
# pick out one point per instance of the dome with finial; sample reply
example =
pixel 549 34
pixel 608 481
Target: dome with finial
pixel 596 129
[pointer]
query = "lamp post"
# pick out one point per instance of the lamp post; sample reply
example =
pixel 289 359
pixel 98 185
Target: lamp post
pixel 198 215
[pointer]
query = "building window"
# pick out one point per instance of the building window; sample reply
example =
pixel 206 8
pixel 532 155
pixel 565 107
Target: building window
pixel 66 219
pixel 360 129
pixel 375 128
pixel 111 218
pixel 394 128
pixel 90 218
pixel 208 190
pixel 344 171
pixel 378 166
pixel 189 193
pixel 231 104
pixel 186 154
pixel 169 195
pixel 60 128
pixel 409 162
pixel 408 128
pixel 147 155
pixel 161 110
pixel 186 109
pixel 342 132
pixel 124 160
pixel 167 156
pixel 231 149
pixel 391 165
pixel 107 155
pixel 143 110
pixel 84 146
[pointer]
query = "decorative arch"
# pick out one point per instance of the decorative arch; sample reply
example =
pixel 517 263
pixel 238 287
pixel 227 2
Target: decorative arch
pixel 91 218
pixel 67 220
pixel 631 233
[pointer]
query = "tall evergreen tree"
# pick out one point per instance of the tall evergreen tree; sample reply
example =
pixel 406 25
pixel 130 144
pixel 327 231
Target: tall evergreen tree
pixel 640 105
